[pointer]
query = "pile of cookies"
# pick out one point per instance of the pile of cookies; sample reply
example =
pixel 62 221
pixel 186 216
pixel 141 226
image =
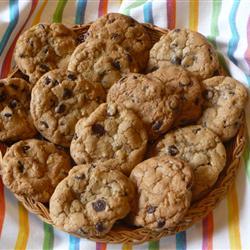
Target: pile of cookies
pixel 109 126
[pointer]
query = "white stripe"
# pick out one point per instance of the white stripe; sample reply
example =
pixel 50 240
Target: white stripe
pixel 194 236
pixel 159 9
pixel 91 11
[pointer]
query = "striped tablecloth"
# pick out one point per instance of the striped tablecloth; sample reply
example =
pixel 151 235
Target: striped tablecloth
pixel 227 24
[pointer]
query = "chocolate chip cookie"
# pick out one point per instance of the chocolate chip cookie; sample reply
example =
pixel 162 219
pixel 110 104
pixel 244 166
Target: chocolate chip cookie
pixel 58 100
pixel 225 99
pixel 44 47
pixel 125 31
pixel 33 168
pixel 164 192
pixel 111 134
pixel 156 104
pixel 190 88
pixel 102 61
pixel 201 149
pixel 91 199
pixel 15 119
pixel 187 48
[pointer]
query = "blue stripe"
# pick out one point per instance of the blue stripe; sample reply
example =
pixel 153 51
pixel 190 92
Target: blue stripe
pixel 14 16
pixel 74 243
pixel 148 12
pixel 233 43
pixel 80 11
pixel 181 241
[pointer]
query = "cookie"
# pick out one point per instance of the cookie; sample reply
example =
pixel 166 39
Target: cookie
pixel 58 100
pixel 225 99
pixel 125 31
pixel 102 61
pixel 187 48
pixel 201 149
pixel 156 104
pixel 91 199
pixel 33 168
pixel 111 134
pixel 190 87
pixel 44 47
pixel 164 192
pixel 15 119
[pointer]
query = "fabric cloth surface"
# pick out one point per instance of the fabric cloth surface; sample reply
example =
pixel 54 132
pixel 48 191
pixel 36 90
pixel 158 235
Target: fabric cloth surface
pixel 227 24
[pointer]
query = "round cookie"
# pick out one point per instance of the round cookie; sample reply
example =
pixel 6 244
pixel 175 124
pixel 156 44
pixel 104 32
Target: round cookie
pixel 183 81
pixel 201 149
pixel 125 31
pixel 102 61
pixel 91 199
pixel 225 99
pixel 33 168
pixel 44 47
pixel 111 134
pixel 58 100
pixel 164 192
pixel 15 119
pixel 187 48
pixel 156 104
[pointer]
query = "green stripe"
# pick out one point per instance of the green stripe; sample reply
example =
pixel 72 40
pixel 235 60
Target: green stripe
pixel 135 4
pixel 48 240
pixel 153 245
pixel 57 17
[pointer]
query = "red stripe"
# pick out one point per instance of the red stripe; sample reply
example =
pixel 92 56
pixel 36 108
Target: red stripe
pixel 207 232
pixel 2 206
pixel 103 8
pixel 101 246
pixel 7 60
pixel 247 53
pixel 171 13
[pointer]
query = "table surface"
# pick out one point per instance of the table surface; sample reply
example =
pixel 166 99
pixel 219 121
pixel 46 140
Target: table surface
pixel 227 24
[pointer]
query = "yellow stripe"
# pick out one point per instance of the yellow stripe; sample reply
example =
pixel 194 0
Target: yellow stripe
pixel 39 13
pixel 233 219
pixel 127 247
pixel 193 14
pixel 23 233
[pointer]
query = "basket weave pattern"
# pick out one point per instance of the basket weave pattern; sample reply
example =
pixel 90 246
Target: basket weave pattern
pixel 198 210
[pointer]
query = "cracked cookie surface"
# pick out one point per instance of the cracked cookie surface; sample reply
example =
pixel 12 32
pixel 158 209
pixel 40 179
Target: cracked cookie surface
pixel 188 86
pixel 225 99
pixel 201 149
pixel 15 119
pixel 58 100
pixel 102 61
pixel 125 31
pixel 187 48
pixel 44 47
pixel 164 192
pixel 111 134
pixel 156 104
pixel 91 199
pixel 33 168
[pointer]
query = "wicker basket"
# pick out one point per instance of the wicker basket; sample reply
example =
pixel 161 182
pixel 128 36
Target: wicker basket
pixel 122 233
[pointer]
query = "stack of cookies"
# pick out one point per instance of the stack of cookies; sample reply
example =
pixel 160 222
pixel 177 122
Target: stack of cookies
pixel 109 126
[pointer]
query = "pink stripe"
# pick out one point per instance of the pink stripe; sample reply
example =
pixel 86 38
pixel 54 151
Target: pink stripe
pixel 207 232
pixel 247 53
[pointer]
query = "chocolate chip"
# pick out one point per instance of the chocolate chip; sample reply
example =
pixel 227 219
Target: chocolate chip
pixel 13 104
pixel 71 77
pixel 67 93
pixel 42 26
pixel 7 115
pixel 208 94
pixel 99 205
pixel 157 125
pixel 196 130
pixel 45 50
pixel 21 55
pixel 81 38
pixel 111 20
pixel 44 67
pixel 14 86
pixel 20 167
pixel 25 148
pixel 75 137
pixel 55 82
pixel 151 209
pixel 80 177
pixel 160 223
pixel 44 124
pixel 134 77
pixel 98 129
pixel 231 93
pixel 99 227
pixel 216 72
pixel 176 60
pixel 173 150
pixel 177 30
pixel 116 64
pixel 47 80
pixel 60 108
pixel 3 96
pixel 115 36
pixel 154 68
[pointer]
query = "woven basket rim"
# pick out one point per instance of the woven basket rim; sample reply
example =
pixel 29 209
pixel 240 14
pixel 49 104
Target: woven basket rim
pixel 197 211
